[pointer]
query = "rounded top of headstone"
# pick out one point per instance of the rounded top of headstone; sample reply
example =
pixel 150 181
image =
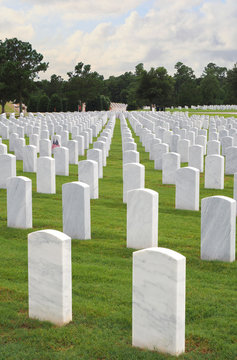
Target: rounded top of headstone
pixel 48 235
pixel 168 253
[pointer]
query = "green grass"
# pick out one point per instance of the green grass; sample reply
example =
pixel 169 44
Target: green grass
pixel 102 277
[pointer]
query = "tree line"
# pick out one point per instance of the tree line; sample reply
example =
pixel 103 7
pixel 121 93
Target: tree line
pixel 19 82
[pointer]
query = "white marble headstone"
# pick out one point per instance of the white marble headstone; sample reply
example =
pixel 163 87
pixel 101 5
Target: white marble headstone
pixel 50 276
pixel 158 304
pixel 218 226
pixel 187 189
pixel 142 218
pixel 196 157
pixel 88 174
pixel 7 169
pixel 29 158
pixel 46 175
pixel 214 172
pixel 76 210
pixel 96 155
pixel 61 157
pixel 19 202
pixel 133 178
pixel 170 163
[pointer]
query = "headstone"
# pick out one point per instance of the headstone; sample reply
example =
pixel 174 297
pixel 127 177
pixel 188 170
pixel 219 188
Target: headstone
pixel 214 172
pixel 72 145
pixel 81 145
pixel 61 157
pixel 130 146
pixel 7 169
pixel 18 148
pixel 29 158
pixel 34 140
pixel 201 140
pixel 102 146
pixel 235 190
pixel 187 189
pixel 183 149
pixel 3 149
pixel 96 155
pixel 142 218
pixel 158 305
pixel 133 178
pixel 12 139
pixel 46 175
pixel 218 223
pixel 50 276
pixel 64 137
pixel 76 210
pixel 231 160
pixel 130 156
pixel 159 151
pixel 226 142
pixel 45 147
pixel 152 147
pixel 170 163
pixel 174 142
pixel 88 174
pixel 19 202
pixel 44 134
pixel 213 147
pixel 213 136
pixel 196 157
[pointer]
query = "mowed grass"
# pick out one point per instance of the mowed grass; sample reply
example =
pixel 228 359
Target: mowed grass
pixel 102 276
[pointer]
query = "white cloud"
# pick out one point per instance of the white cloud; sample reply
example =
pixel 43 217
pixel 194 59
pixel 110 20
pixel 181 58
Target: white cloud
pixel 75 10
pixel 195 32
pixel 13 24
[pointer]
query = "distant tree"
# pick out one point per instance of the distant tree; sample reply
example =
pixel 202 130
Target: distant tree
pixel 218 71
pixel 43 105
pixel 65 104
pixel 98 104
pixel 118 87
pixel 155 87
pixel 32 105
pixel 211 91
pixel 20 65
pixel 185 85
pixel 83 85
pixel 232 85
pixel 55 103
pixel 105 102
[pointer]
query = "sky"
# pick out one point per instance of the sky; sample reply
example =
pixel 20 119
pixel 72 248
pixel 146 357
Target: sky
pixel 113 36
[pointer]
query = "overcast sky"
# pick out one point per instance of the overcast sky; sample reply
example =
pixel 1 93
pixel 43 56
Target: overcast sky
pixel 113 36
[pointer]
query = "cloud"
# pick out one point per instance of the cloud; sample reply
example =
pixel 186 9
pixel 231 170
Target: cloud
pixel 76 10
pixel 195 32
pixel 13 23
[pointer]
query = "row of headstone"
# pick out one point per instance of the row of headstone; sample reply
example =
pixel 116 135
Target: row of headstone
pixel 153 267
pixel 158 290
pixel 76 202
pixel 191 144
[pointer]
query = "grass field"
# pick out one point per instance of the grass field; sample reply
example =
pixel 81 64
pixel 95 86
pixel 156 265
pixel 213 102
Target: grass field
pixel 102 276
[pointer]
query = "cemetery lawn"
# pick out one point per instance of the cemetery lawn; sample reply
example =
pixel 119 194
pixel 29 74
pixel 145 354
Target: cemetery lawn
pixel 102 276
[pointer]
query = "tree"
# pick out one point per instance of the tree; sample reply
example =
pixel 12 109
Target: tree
pixel 20 65
pixel 55 103
pixel 211 90
pixel 43 105
pixel 83 85
pixel 185 85
pixel 118 87
pixel 32 105
pixel 232 85
pixel 155 86
pixel 218 71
